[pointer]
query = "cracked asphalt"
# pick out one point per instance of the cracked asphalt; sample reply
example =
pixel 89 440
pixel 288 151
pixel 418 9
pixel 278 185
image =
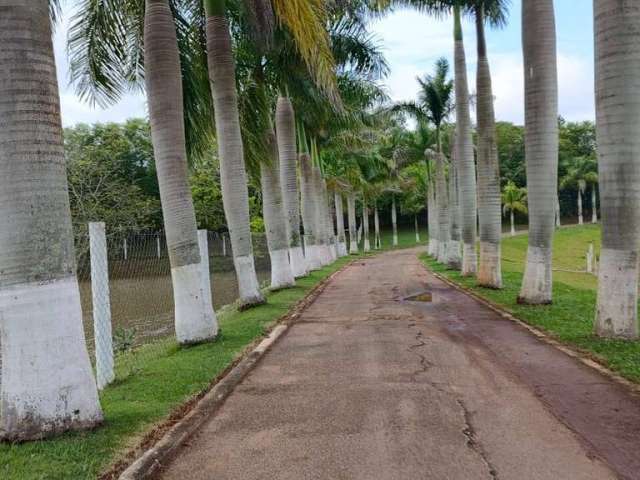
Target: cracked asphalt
pixel 367 385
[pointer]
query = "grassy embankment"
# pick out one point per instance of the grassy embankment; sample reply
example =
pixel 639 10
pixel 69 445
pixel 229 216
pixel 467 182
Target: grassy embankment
pixel 570 318
pixel 165 376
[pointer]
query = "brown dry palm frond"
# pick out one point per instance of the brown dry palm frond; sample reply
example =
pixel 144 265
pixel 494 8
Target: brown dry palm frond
pixel 306 21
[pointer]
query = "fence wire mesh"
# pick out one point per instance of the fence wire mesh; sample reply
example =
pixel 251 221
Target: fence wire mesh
pixel 140 293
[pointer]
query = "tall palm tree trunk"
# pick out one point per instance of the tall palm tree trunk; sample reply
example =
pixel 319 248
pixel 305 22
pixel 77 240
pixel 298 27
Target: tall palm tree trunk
pixel 342 239
pixel 195 320
pixel 513 223
pixel 286 135
pixel 377 243
pixel 46 383
pixel 275 219
pixel 541 145
pixel 309 208
pixel 489 272
pixel 330 234
pixel 579 200
pixel 322 236
pixel 233 177
pixel 464 152
pixel 394 220
pixel 365 224
pixel 454 259
pixel 432 211
pixel 442 200
pixel 594 205
pixel 617 33
pixel 353 231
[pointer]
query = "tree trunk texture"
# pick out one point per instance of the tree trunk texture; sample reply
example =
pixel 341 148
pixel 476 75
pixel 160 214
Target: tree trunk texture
pixel 275 223
pixel 365 224
pixel 233 177
pixel 489 211
pixel 195 320
pixel 541 145
pixel 465 157
pixel 377 242
pixel 353 232
pixel 579 200
pixel 46 381
pixel 442 200
pixel 342 239
pixel 309 207
pixel 286 135
pixel 454 258
pixel 394 220
pixel 617 34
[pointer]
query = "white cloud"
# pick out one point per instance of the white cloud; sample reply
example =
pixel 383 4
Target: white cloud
pixel 412 43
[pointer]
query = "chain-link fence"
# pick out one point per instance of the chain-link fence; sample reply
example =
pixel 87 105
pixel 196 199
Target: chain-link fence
pixel 134 290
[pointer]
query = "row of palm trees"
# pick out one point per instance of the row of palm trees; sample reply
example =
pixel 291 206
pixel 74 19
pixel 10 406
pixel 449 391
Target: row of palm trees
pixel 617 23
pixel 193 58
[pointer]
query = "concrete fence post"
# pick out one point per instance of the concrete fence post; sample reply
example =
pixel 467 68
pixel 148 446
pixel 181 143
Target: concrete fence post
pixel 101 304
pixel 158 251
pixel 224 245
pixel 125 249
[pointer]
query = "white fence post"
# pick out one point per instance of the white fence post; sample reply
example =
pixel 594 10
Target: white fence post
pixel 203 243
pixel 125 249
pixel 224 245
pixel 158 245
pixel 101 304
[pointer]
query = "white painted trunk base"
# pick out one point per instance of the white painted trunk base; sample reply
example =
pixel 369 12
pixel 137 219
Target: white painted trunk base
pixel 195 319
pixel 342 249
pixel 489 271
pixel 395 239
pixel 443 251
pixel 324 251
pixel 248 288
pixel 454 258
pixel 281 273
pixel 334 252
pixel 433 247
pixel 47 384
pixel 469 260
pixel 297 262
pixel 353 247
pixel 312 257
pixel 367 245
pixel 617 308
pixel 536 283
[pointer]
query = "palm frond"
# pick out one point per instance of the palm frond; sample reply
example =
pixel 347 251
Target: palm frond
pixel 306 20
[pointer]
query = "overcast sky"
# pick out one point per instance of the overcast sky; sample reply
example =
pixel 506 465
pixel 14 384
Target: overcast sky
pixel 412 42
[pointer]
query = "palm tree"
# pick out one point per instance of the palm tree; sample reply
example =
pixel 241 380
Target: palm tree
pixel 514 199
pixel 489 272
pixel 285 128
pixel 583 172
pixel 434 105
pixel 46 383
pixel 465 165
pixel 617 31
pixel 105 43
pixel 233 176
pixel 195 320
pixel 541 145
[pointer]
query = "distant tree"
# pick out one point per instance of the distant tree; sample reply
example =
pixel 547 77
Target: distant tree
pixel 582 172
pixel 111 176
pixel 514 199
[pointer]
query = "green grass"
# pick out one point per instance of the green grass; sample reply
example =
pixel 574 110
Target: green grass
pixel 165 377
pixel 570 318
pixel 153 381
